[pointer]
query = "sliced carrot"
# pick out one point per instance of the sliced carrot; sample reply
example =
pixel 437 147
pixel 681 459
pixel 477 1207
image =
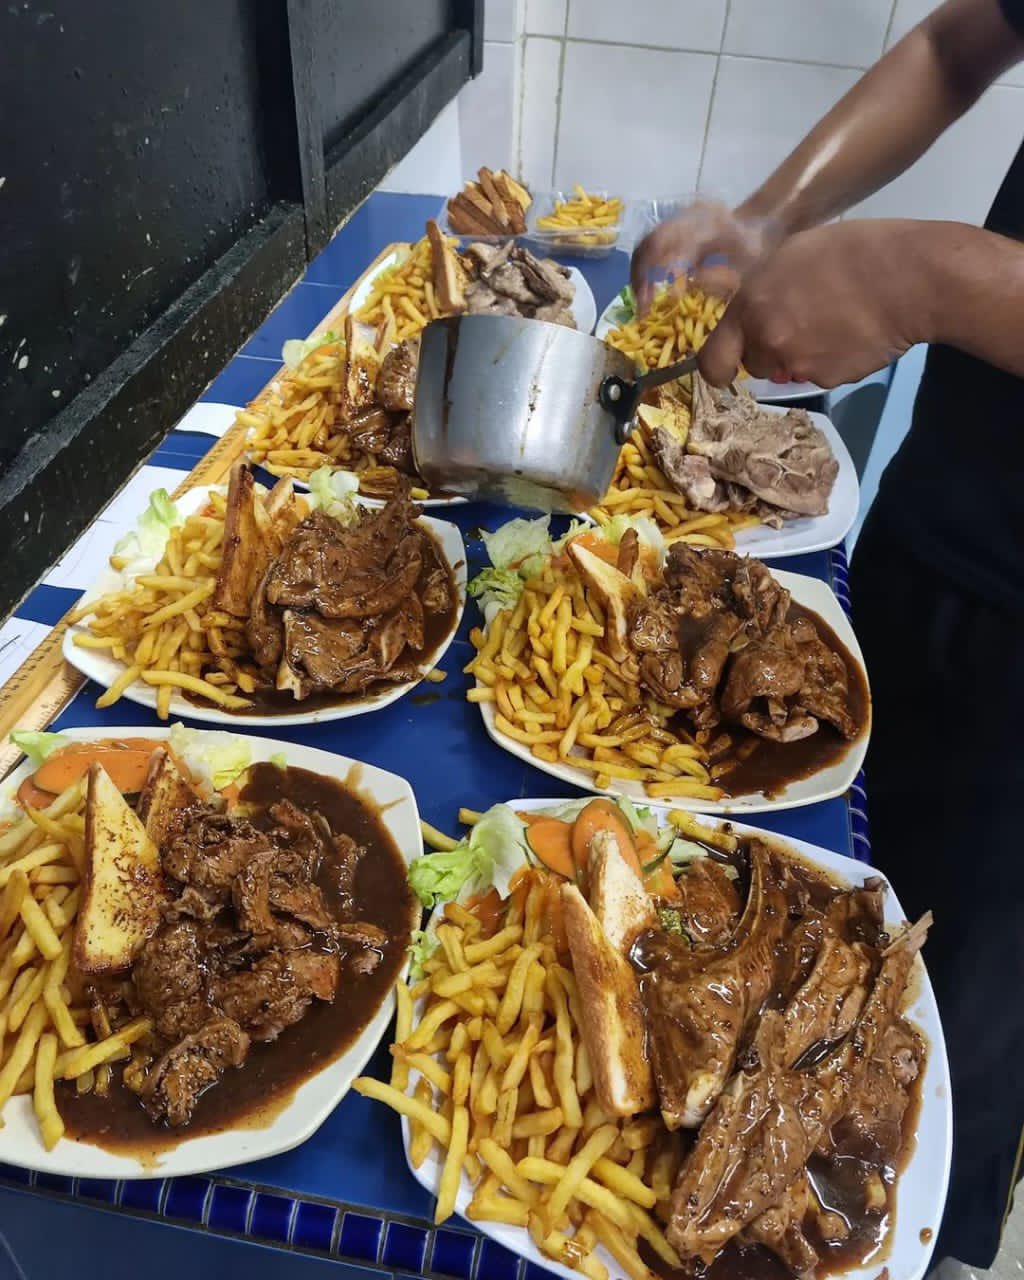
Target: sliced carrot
pixel 602 815
pixel 600 546
pixel 551 840
pixel 660 882
pixel 32 797
pixel 125 759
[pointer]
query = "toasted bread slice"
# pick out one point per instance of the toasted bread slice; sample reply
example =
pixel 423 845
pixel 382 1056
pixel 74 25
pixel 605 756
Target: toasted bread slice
pixel 123 886
pixel 449 284
pixel 362 368
pixel 613 1019
pixel 245 551
pixel 617 895
pixel 494 196
pixel 166 793
pixel 615 591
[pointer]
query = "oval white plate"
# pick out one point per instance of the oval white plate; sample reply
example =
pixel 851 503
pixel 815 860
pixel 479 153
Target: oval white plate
pixel 99 666
pixel 313 1101
pixel 823 785
pixel 921 1192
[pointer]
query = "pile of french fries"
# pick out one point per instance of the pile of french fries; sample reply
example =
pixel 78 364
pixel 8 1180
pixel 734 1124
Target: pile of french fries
pixel 545 667
pixel 164 628
pixel 503 1086
pixel 676 325
pixel 403 300
pixel 583 219
pixel 47 1030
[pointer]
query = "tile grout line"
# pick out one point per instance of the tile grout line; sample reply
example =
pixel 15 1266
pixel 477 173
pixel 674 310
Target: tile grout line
pixel 888 27
pixel 711 97
pixel 558 97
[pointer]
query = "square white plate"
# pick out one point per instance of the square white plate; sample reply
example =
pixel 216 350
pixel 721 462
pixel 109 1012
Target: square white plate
pixel 823 785
pixel 921 1191
pixel 313 1101
pixel 98 665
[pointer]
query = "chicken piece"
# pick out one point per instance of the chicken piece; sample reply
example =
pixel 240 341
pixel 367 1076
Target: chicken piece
pixel 276 992
pixel 396 385
pixel 169 978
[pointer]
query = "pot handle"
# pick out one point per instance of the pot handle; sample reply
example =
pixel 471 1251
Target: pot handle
pixel 621 398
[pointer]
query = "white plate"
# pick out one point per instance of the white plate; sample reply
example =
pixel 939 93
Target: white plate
pixel 823 785
pixel 613 316
pixel 313 1101
pixel 584 307
pixel 98 665
pixel 921 1192
pixel 807 533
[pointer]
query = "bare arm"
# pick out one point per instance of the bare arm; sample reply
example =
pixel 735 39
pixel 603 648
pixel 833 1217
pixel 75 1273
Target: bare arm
pixel 891 116
pixel 886 121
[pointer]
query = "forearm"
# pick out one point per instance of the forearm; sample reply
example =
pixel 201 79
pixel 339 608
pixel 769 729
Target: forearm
pixel 976 292
pixel 890 117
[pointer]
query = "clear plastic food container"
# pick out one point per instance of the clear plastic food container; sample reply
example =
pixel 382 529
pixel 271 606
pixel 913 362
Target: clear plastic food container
pixel 577 242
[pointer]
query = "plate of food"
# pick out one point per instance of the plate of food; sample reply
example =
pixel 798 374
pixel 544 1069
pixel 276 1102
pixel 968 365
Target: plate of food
pixel 344 397
pixel 251 607
pixel 179 910
pixel 637 1044
pixel 692 676
pixel 581 223
pixel 490 207
pixel 771 481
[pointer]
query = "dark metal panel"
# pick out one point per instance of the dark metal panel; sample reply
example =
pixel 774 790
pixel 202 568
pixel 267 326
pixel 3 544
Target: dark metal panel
pixel 139 158
pixel 363 156
pixel 64 475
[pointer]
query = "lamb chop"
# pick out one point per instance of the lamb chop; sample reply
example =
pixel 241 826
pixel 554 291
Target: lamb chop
pixel 766 1125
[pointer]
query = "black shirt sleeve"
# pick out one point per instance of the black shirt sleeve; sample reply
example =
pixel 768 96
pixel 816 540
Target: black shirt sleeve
pixel 1013 12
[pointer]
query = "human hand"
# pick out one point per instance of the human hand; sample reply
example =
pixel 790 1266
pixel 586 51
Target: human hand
pixel 708 244
pixel 830 306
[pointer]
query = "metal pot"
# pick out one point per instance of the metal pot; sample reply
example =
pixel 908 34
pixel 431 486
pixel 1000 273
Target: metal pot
pixel 523 412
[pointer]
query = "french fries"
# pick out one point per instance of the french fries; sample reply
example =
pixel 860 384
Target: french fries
pixel 572 1176
pixel 42 1017
pixel 583 220
pixel 402 299
pixel 546 668
pixel 164 625
pixel 673 327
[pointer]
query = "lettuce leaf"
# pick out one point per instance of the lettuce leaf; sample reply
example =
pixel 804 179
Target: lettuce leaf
pixel 625 303
pixel 648 533
pixel 295 350
pixel 488 857
pixel 279 759
pixel 421 948
pixel 501 587
pixel 143 547
pixel 217 758
pixel 332 491
pixel 37 746
pixel 518 542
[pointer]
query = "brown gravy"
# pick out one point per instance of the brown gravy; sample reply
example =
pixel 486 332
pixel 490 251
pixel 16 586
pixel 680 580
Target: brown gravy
pixel 437 627
pixel 251 1095
pixel 772 766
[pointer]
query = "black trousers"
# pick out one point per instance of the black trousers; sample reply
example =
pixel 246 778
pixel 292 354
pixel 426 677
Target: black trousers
pixel 945 781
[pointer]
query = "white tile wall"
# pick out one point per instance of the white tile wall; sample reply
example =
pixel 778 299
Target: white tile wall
pixel 544 17
pixel 485 112
pixel 652 97
pixel 664 24
pixel 538 118
pixel 655 139
pixel 849 33
pixel 762 108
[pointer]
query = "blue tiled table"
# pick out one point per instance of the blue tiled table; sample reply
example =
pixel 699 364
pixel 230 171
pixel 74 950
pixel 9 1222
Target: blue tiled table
pixel 346 1194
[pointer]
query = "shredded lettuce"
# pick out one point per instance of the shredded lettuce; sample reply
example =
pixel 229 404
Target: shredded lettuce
pixel 217 758
pixel 37 746
pixel 421 948
pixel 489 856
pixel 625 304
pixel 332 491
pixel 501 587
pixel 279 759
pixel 295 350
pixel 518 543
pixel 143 547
